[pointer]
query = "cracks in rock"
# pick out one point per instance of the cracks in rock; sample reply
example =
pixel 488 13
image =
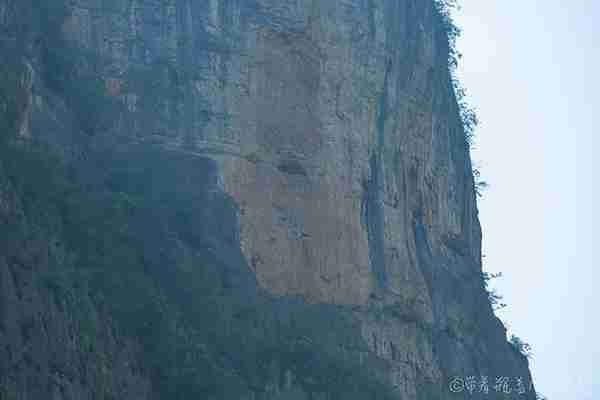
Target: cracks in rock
pixel 372 206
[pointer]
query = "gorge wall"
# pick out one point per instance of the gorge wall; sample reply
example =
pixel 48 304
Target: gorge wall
pixel 238 199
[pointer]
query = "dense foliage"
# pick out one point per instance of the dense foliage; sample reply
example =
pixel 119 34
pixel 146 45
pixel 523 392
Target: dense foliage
pixel 156 248
pixel 151 245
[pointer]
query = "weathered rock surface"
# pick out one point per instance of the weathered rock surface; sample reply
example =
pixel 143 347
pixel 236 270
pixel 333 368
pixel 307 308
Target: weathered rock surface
pixel 284 185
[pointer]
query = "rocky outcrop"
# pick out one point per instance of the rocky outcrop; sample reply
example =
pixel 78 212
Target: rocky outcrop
pixel 293 173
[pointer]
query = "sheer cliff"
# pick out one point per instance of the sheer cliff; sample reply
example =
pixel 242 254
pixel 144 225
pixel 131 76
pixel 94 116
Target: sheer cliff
pixel 239 199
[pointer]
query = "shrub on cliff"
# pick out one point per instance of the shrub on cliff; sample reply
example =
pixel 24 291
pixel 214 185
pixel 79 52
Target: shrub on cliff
pixel 479 184
pixel 521 346
pixel 493 296
pixel 468 114
pixel 444 11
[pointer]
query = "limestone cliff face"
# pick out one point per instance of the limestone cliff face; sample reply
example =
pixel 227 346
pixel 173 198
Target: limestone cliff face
pixel 332 163
pixel 333 124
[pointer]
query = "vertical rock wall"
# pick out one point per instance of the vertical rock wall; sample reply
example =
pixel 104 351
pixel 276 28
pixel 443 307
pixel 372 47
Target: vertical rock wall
pixel 334 124
pixel 334 129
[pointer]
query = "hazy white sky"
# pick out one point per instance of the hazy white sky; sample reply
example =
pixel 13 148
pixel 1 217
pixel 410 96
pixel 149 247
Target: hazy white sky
pixel 532 69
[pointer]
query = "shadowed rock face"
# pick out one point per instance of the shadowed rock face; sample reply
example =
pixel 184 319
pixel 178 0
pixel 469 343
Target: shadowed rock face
pixel 293 173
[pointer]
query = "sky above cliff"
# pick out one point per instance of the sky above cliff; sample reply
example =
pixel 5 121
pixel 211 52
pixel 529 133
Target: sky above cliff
pixel 531 69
